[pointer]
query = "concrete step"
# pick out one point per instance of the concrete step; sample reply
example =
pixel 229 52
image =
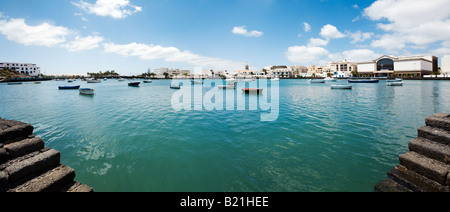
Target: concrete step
pixel 77 187
pixel 24 147
pixel 31 165
pixel 389 185
pixel 51 181
pixel 441 121
pixel 427 167
pixel 12 131
pixel 414 181
pixel 431 149
pixel 434 134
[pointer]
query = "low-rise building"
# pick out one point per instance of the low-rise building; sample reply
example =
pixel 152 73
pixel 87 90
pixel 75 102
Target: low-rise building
pixel 445 65
pixel 343 69
pixel 23 68
pixel 387 66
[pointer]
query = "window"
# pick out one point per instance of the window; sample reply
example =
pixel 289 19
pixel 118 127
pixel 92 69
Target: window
pixel 385 64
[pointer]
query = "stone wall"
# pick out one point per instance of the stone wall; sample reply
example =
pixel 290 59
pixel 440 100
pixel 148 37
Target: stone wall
pixel 426 167
pixel 26 165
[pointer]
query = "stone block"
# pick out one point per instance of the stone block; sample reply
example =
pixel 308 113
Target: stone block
pixel 11 131
pixel 441 120
pixel 414 181
pixel 51 181
pixel 434 134
pixel 431 149
pixel 389 185
pixel 427 167
pixel 33 165
pixel 78 187
pixel 24 147
pixel 3 180
pixel 3 155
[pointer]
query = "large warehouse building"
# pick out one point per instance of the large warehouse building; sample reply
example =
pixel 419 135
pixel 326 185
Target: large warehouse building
pixel 391 66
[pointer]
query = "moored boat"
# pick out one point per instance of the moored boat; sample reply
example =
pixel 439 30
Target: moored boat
pixel 93 81
pixel 275 79
pixel 252 90
pixel 14 83
pixel 330 79
pixel 121 80
pixel 395 80
pixel 342 87
pixel 197 82
pixel 69 87
pixel 364 81
pixel 233 86
pixel 394 83
pixel 147 81
pixel 87 91
pixel 134 84
pixel 316 81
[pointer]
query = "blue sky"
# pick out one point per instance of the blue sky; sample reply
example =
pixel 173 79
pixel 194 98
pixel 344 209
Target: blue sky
pixel 130 36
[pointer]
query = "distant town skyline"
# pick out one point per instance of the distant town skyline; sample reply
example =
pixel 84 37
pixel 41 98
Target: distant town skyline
pixel 130 36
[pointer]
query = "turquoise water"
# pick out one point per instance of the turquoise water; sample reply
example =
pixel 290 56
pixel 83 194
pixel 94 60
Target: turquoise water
pixel 130 139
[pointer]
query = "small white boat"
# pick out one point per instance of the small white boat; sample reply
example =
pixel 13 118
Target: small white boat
pixel 233 86
pixel 248 80
pixel 275 79
pixel 197 82
pixel 342 87
pixel 330 79
pixel 93 81
pixel 87 91
pixel 396 80
pixel 120 80
pixel 394 83
pixel 316 81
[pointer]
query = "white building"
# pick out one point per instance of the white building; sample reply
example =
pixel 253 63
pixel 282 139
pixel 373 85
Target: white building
pixel 343 69
pixel 24 68
pixel 280 72
pixel 384 66
pixel 445 65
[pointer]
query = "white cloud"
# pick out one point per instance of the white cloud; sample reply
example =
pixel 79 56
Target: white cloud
pixel 355 6
pixel 307 55
pixel 359 36
pixel 241 30
pixel 410 23
pixel 169 54
pixel 44 34
pixel 83 43
pixel 317 42
pixel 331 32
pixel 117 9
pixel 355 55
pixel 306 27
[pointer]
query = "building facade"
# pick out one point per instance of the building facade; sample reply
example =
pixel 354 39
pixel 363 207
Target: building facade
pixel 445 65
pixel 391 66
pixel 23 68
pixel 343 69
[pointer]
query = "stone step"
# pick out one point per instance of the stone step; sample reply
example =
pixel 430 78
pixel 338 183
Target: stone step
pixel 434 134
pixel 429 168
pixel 77 187
pixel 51 181
pixel 441 121
pixel 389 185
pixel 31 165
pixel 413 181
pixel 24 147
pixel 431 149
pixel 12 131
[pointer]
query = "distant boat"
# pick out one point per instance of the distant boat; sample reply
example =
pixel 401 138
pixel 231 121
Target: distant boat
pixel 364 81
pixel 248 80
pixel 233 86
pixel 394 83
pixel 69 87
pixel 134 84
pixel 341 86
pixel 93 81
pixel 316 81
pixel 87 91
pixel 14 83
pixel 275 79
pixel 175 87
pixel 330 79
pixel 37 83
pixel 396 80
pixel 197 82
pixel 120 80
pixel 147 81
pixel 252 90
pixel 70 81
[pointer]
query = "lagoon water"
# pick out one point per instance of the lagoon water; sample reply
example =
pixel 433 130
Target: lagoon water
pixel 131 139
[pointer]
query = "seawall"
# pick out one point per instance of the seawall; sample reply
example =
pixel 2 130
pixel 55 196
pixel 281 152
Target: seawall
pixel 426 167
pixel 26 165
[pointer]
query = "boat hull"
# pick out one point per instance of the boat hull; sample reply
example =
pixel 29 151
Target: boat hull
pixel 69 87
pixel 364 81
pixel 342 87
pixel 252 91
pixel 134 84
pixel 394 84
pixel 87 91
